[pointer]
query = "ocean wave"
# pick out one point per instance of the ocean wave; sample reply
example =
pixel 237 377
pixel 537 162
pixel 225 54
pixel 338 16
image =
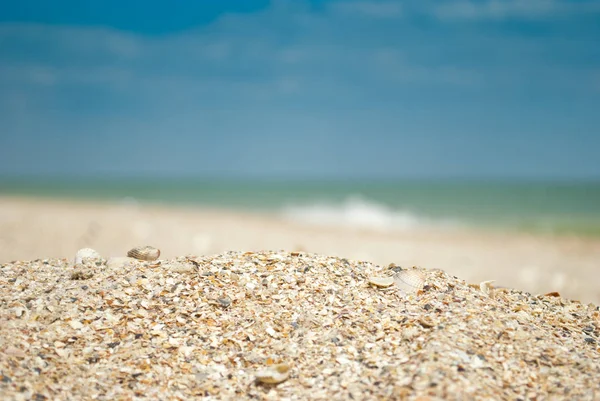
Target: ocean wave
pixel 359 212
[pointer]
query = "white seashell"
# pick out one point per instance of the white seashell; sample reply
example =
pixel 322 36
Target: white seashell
pixel 147 253
pixel 119 262
pixel 76 324
pixel 274 374
pixel 409 281
pixel 486 287
pixel 180 268
pixel 86 254
pixel 14 351
pixel 381 281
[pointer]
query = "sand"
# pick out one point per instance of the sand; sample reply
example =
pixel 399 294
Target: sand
pixel 284 326
pixel 43 228
pixel 201 323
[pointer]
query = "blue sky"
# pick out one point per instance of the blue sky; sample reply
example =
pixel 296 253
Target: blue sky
pixel 295 88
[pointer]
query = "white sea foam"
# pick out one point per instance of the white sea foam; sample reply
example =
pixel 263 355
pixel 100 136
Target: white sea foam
pixel 359 212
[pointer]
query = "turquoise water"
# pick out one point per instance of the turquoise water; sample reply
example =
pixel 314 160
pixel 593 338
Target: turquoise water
pixel 553 208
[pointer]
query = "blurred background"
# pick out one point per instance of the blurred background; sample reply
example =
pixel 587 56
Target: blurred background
pixel 461 134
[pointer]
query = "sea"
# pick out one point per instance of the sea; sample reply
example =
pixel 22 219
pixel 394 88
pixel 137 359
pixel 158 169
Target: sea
pixel 553 208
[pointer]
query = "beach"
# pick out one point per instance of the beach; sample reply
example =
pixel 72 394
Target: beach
pixel 41 228
pixel 284 325
pixel 241 305
pixel 300 200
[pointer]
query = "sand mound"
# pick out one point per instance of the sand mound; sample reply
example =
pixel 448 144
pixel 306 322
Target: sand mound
pixel 213 326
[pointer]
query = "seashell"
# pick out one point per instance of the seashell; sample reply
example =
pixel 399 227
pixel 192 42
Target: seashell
pixel 381 281
pixel 181 268
pixel 147 253
pixel 120 262
pixel 426 322
pixel 76 324
pixel 274 374
pixel 86 255
pixel 486 287
pixel 14 351
pixel 409 281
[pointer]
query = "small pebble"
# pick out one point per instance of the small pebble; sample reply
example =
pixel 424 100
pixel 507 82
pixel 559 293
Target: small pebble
pixel 224 302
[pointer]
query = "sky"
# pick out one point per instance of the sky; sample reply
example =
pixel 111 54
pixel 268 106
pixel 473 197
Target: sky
pixel 299 88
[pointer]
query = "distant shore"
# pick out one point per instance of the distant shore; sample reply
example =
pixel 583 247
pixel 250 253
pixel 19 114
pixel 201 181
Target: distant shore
pixel 536 207
pixel 39 228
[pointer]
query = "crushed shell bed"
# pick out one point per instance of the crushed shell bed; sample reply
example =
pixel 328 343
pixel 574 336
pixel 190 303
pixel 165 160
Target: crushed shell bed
pixel 214 326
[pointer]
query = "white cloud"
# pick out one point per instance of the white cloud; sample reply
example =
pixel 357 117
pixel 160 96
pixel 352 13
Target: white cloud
pixel 296 81
pixel 76 41
pixel 501 9
pixel 39 75
pixel 397 68
pixel 290 52
pixel 374 9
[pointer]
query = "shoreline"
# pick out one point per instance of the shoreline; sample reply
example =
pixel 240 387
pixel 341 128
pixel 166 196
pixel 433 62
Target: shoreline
pixel 263 215
pixel 548 208
pixel 33 228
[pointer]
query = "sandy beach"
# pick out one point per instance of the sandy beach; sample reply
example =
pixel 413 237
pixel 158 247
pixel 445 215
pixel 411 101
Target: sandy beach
pixel 33 228
pixel 284 326
pixel 327 313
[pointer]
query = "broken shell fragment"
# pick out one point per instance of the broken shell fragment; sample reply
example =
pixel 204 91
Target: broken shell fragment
pixel 147 253
pixel 120 262
pixel 381 281
pixel 86 255
pixel 486 287
pixel 409 281
pixel 273 374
